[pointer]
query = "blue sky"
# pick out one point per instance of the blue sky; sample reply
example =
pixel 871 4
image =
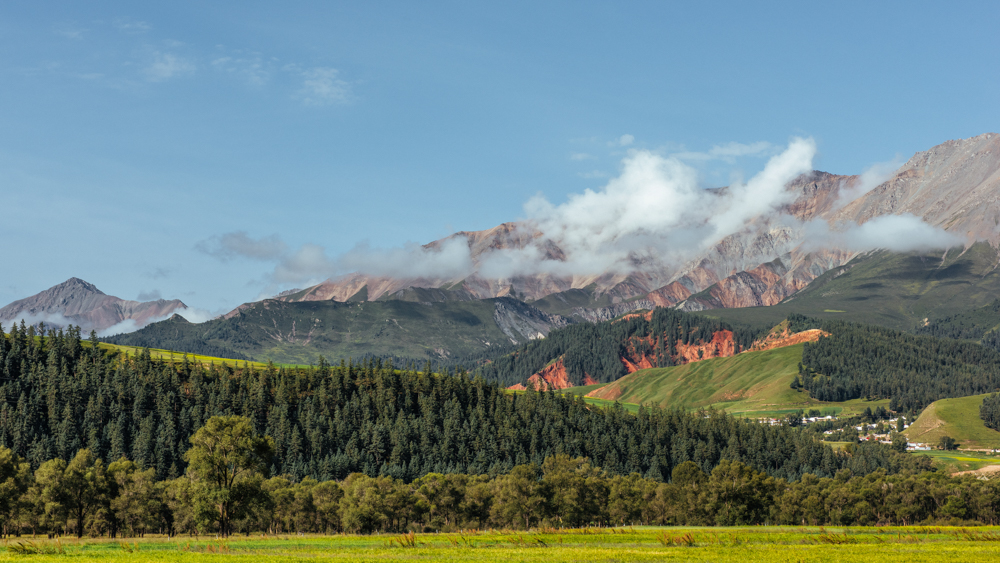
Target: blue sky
pixel 134 137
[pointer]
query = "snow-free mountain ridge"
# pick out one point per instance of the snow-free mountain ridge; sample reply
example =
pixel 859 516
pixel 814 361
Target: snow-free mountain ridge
pixel 954 186
pixel 78 302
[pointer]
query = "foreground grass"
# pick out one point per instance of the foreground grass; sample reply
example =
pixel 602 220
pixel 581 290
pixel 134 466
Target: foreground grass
pixel 762 544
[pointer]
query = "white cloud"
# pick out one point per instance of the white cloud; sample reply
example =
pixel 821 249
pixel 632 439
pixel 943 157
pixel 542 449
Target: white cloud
pixel 654 210
pixel 159 273
pixel 898 233
pixel 448 260
pixel 236 244
pixel 765 191
pixel 592 174
pixel 322 86
pixel 51 320
pixel 166 66
pixel 190 314
pixel 871 178
pixel 625 140
pixel 195 315
pixel 310 263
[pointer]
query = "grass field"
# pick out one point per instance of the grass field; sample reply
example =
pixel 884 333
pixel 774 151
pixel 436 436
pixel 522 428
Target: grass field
pixel 752 384
pixel 172 356
pixel 958 418
pixel 954 461
pixel 758 544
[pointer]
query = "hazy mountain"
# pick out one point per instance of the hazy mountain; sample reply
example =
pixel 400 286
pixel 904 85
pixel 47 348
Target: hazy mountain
pixel 80 303
pixel 774 266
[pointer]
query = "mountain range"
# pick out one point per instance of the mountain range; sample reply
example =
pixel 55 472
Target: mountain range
pixel 953 186
pixel 773 265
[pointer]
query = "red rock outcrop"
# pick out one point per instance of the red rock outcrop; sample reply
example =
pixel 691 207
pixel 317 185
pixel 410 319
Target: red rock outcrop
pixel 722 345
pixel 553 377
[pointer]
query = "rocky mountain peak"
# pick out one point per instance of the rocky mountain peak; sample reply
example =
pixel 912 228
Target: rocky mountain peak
pixel 75 284
pixel 76 301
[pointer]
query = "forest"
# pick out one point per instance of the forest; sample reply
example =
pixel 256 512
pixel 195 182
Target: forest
pixel 60 394
pixel 88 497
pixel 370 448
pixel 864 361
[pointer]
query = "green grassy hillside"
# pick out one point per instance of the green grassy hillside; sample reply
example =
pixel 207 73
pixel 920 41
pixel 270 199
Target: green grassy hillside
pixel 958 418
pixel 890 289
pixel 174 356
pixel 751 384
pixel 297 333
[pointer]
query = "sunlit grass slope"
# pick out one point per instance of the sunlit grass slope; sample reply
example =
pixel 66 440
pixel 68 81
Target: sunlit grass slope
pixel 751 383
pixel 175 356
pixel 958 418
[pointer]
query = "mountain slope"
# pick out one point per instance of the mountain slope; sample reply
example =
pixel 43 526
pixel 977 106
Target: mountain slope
pixel 751 381
pixel 588 353
pixel 78 302
pixel 958 418
pixel 300 332
pixel 955 186
pixel 652 284
pixel 898 290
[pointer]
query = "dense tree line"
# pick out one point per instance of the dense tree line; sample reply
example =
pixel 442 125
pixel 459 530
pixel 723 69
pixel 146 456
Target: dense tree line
pixel 989 411
pixel 964 325
pixel 596 349
pixel 88 497
pixel 59 395
pixel 873 362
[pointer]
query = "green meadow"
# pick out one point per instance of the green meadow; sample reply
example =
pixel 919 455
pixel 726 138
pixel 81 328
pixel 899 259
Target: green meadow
pixel 173 356
pixel 958 418
pixel 757 544
pixel 958 460
pixel 752 384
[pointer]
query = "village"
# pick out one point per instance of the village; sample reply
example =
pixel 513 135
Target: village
pixel 881 432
